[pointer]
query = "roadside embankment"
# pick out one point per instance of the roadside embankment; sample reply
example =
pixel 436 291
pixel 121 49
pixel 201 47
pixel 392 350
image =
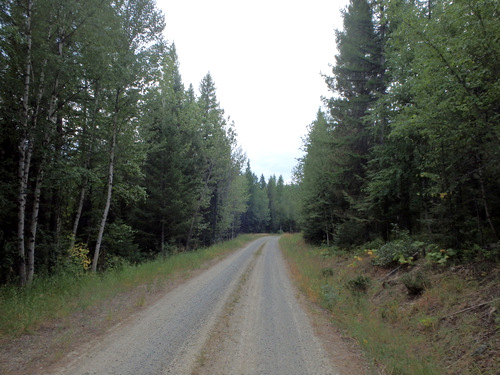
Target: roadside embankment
pixel 450 326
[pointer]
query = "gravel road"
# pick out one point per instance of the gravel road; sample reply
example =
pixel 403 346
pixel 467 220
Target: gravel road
pixel 249 294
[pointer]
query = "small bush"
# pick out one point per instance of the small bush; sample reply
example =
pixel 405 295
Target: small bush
pixel 327 272
pixel 328 296
pixel 115 263
pixel 415 282
pixel 359 284
pixel 440 256
pixel 402 250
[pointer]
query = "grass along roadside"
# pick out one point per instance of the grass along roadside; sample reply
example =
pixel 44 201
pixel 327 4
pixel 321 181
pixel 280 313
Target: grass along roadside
pixel 25 310
pixel 405 334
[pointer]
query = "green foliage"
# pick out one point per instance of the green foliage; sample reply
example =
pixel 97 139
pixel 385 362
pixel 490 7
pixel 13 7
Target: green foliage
pixel 440 256
pixel 411 136
pixel 119 242
pixel 115 262
pixel 416 282
pixel 361 317
pixel 359 284
pixel 327 272
pixel 350 233
pixel 401 250
pixel 76 261
pixel 103 105
pixel 316 189
pixel 329 296
pixel 491 252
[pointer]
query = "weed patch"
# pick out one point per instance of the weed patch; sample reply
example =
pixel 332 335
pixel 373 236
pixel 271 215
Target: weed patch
pixel 417 319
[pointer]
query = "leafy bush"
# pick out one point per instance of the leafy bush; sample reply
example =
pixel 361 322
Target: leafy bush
pixel 440 256
pixel 119 241
pixel 416 282
pixel 401 250
pixel 359 284
pixel 115 263
pixel 74 261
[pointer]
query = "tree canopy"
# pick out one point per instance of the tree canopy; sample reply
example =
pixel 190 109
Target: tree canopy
pixel 106 154
pixel 410 136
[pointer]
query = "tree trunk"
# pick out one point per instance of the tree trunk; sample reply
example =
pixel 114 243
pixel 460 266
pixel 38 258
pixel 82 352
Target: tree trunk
pixel 196 211
pixel 34 224
pixel 83 190
pixel 110 185
pixel 25 153
pixel 162 236
pixel 485 203
pixel 78 214
pixel 108 202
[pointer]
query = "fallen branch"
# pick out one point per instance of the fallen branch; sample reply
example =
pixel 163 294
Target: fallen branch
pixel 390 273
pixel 468 309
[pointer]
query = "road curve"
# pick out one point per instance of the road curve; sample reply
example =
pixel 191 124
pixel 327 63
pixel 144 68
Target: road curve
pixel 268 333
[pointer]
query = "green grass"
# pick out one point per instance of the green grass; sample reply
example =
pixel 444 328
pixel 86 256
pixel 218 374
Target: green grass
pixel 25 310
pixel 325 281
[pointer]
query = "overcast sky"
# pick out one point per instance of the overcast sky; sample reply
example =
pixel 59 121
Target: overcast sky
pixel 266 58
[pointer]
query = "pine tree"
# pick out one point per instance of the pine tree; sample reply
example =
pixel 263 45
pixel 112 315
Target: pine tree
pixel 356 83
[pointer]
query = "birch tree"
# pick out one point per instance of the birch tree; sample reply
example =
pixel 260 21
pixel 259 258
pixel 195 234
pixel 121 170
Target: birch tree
pixel 140 25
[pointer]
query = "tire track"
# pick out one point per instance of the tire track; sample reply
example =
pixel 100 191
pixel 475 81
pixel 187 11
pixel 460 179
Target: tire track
pixel 267 332
pixel 167 337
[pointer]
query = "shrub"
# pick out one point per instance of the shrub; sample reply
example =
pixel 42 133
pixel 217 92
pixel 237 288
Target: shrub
pixel 401 250
pixel 359 284
pixel 440 256
pixel 74 261
pixel 416 282
pixel 327 272
pixel 119 241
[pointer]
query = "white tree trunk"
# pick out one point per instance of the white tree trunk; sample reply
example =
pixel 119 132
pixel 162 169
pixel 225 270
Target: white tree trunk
pixel 25 152
pixel 110 186
pixel 83 190
pixel 33 226
pixel 79 211
pixel 108 204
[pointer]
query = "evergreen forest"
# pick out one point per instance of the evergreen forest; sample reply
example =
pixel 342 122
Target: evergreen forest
pixel 408 144
pixel 107 157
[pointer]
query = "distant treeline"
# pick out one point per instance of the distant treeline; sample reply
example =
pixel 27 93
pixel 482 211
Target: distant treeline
pixel 106 156
pixel 410 139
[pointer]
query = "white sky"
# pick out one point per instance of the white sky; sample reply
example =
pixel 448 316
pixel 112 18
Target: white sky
pixel 265 57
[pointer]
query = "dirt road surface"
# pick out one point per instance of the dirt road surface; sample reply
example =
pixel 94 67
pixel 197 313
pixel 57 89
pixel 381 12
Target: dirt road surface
pixel 241 316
